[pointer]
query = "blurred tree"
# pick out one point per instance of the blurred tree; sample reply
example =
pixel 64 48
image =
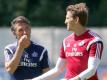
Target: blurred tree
pixel 50 12
pixel 10 9
pixel 99 17
pixel 103 13
pixel 92 4
pixel 46 13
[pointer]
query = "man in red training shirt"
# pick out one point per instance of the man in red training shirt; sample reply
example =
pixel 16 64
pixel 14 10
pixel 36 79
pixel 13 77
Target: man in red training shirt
pixel 81 51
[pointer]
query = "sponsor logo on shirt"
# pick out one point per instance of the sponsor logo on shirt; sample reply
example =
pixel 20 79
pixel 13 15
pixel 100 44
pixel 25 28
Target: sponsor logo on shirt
pixel 28 64
pixel 74 54
pixel 26 60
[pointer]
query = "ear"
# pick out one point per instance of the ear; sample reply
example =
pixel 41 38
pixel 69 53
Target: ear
pixel 14 33
pixel 77 20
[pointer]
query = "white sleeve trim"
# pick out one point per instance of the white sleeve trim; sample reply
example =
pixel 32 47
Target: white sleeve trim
pixel 60 66
pixel 92 67
pixel 6 54
pixel 41 57
pixel 93 41
pixel 9 49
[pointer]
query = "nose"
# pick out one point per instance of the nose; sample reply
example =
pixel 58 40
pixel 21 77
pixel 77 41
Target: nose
pixel 24 32
pixel 65 21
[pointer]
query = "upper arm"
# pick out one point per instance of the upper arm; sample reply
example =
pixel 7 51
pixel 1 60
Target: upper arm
pixel 7 54
pixel 62 53
pixel 61 64
pixel 96 49
pixel 95 52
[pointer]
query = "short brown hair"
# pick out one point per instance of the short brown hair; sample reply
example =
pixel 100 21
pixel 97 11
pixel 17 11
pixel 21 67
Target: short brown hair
pixel 19 19
pixel 79 10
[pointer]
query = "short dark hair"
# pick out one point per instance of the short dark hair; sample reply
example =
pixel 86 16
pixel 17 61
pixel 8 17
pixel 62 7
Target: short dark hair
pixel 19 19
pixel 79 10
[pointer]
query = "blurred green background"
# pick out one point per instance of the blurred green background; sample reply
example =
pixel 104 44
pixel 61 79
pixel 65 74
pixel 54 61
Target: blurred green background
pixel 50 12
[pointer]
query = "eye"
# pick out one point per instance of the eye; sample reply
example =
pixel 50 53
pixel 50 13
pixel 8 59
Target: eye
pixel 27 28
pixel 20 30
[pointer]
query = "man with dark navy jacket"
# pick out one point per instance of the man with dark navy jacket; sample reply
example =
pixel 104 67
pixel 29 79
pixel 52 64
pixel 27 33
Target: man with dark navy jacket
pixel 24 59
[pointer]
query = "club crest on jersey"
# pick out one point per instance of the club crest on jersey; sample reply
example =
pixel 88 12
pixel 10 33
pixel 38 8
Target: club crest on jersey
pixel 81 43
pixel 34 54
pixel 68 45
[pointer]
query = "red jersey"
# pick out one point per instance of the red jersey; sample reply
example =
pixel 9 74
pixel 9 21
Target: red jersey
pixel 77 49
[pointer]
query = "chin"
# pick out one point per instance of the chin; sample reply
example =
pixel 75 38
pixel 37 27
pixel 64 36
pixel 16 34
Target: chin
pixel 68 28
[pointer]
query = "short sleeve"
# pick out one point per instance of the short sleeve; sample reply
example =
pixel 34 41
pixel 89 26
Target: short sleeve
pixel 44 63
pixel 96 50
pixel 8 55
pixel 62 53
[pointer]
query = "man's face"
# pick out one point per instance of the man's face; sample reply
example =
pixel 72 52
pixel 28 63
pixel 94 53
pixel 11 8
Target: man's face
pixel 69 21
pixel 22 29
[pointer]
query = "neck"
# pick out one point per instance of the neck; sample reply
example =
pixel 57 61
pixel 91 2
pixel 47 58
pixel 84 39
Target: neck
pixel 80 30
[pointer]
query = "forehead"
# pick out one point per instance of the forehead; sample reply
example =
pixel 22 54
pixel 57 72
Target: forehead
pixel 21 26
pixel 69 14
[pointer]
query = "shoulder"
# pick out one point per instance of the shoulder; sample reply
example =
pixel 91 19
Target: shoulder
pixel 68 39
pixel 11 46
pixel 37 45
pixel 95 37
